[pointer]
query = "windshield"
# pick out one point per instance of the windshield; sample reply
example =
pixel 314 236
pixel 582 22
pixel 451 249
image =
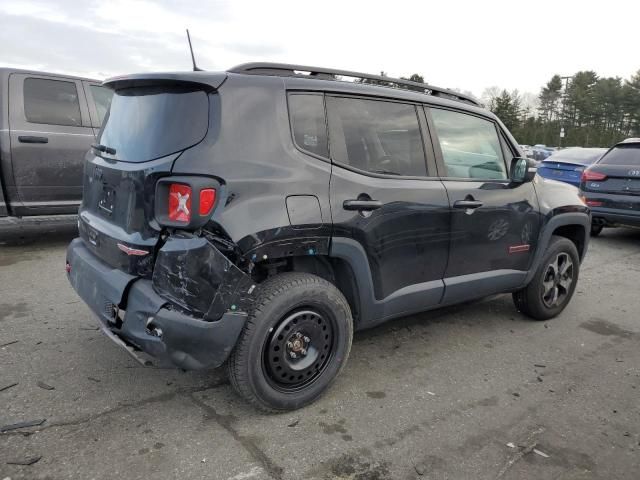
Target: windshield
pixel 626 155
pixel 144 123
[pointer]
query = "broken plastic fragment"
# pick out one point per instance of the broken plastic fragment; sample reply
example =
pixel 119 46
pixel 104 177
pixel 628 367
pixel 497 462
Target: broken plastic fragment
pixel 542 454
pixel 15 426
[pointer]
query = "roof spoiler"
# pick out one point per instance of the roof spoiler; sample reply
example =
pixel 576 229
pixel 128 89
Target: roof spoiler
pixel 208 80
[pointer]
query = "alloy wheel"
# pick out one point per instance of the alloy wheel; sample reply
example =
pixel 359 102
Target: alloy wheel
pixel 557 280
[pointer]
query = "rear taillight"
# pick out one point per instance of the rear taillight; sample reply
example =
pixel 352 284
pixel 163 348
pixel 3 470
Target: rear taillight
pixel 180 203
pixel 185 202
pixel 207 200
pixel 591 176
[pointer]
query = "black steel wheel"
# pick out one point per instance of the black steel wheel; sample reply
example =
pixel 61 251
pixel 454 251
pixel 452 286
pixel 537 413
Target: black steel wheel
pixel 294 344
pixel 298 349
pixel 553 284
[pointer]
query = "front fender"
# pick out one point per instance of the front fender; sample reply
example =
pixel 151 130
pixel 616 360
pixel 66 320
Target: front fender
pixel 561 217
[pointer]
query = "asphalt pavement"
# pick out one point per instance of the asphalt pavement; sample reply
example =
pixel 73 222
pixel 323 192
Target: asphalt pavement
pixel 477 391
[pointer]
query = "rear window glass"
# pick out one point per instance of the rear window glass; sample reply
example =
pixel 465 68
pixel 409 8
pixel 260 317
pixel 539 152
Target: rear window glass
pixel 627 155
pixel 53 102
pixel 308 123
pixel 145 123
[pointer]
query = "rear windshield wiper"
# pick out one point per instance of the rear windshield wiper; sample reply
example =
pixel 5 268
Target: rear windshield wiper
pixel 104 148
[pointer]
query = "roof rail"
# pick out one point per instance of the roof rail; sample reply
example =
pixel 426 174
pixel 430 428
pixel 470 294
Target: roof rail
pixel 302 71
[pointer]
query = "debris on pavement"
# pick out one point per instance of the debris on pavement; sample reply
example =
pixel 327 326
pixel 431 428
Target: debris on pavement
pixel 541 453
pixel 7 387
pixel 45 386
pixel 16 426
pixel 26 461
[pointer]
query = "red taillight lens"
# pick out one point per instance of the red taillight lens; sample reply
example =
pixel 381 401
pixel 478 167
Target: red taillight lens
pixel 207 199
pixel 180 203
pixel 590 176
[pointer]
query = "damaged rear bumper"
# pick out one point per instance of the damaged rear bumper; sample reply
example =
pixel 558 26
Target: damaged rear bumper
pixel 139 319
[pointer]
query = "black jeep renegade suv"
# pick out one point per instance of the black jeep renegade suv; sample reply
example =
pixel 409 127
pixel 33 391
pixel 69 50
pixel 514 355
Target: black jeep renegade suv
pixel 258 216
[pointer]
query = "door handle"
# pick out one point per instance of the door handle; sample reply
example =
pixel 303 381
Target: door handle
pixel 467 204
pixel 30 139
pixel 361 205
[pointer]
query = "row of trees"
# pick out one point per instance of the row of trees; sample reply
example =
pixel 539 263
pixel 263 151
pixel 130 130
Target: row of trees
pixel 593 111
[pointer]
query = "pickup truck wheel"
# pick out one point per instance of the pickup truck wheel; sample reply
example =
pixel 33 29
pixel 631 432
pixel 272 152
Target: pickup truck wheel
pixel 295 343
pixel 596 230
pixel 553 284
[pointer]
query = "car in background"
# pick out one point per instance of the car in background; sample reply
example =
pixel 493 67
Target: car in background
pixel 47 124
pixel 568 164
pixel 541 152
pixel 611 187
pixel 527 150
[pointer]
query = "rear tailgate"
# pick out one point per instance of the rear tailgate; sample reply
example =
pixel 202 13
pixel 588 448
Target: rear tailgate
pixel 614 181
pixel 568 172
pixel 149 124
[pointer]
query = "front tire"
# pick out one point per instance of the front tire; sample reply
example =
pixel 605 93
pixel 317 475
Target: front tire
pixel 295 343
pixel 553 284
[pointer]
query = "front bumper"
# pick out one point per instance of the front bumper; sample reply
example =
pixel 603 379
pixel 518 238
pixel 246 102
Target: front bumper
pixel 138 319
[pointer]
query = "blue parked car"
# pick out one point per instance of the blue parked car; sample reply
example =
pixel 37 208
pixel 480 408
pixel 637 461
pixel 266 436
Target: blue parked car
pixel 567 165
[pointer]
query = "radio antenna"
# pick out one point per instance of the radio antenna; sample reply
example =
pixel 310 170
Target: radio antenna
pixel 193 59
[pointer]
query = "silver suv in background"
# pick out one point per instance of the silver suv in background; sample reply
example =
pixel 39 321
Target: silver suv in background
pixel 47 124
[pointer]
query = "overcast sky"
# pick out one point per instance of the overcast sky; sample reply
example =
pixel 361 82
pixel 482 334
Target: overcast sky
pixel 469 45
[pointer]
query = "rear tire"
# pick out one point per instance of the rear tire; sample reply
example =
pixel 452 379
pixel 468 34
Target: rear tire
pixel 596 230
pixel 553 284
pixel 295 343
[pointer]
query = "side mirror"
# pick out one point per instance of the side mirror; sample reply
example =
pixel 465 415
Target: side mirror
pixel 522 170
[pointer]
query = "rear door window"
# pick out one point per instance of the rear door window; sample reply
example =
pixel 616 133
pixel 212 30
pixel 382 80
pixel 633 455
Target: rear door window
pixel 145 123
pixel 308 123
pixel 53 102
pixel 470 145
pixel 376 136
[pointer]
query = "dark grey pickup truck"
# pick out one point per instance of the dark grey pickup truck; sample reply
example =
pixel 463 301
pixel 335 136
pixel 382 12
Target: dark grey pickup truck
pixel 47 123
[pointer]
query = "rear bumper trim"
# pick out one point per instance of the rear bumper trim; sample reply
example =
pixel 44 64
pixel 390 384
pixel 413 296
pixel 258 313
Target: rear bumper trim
pixel 149 324
pixel 609 218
